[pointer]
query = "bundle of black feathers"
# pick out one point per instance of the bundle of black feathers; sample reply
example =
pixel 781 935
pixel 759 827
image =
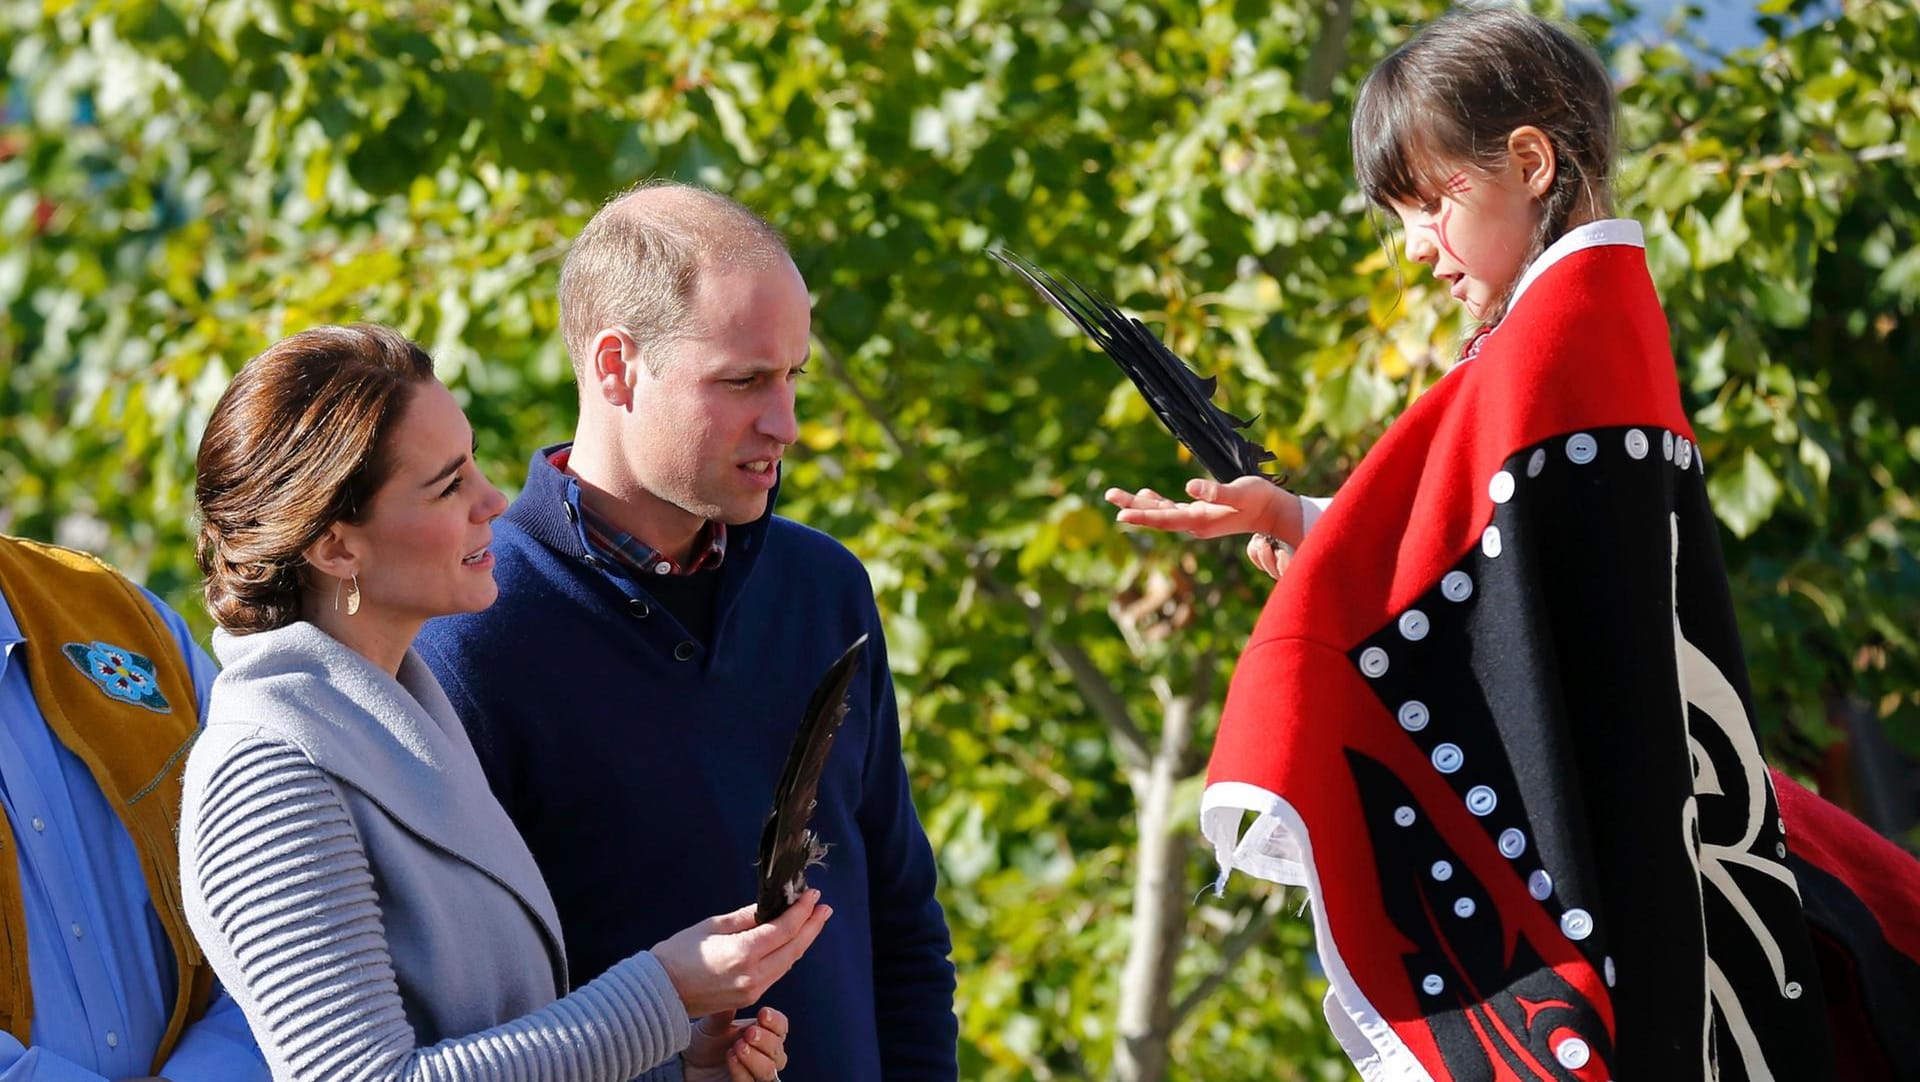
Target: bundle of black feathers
pixel 1180 398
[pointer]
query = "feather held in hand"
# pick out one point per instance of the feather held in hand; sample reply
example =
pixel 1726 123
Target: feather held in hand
pixel 1181 399
pixel 788 847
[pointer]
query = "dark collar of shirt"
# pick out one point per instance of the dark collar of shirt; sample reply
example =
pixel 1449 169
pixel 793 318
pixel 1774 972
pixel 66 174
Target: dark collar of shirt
pixel 636 557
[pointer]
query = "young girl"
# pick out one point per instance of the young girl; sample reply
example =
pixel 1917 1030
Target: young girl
pixel 1495 717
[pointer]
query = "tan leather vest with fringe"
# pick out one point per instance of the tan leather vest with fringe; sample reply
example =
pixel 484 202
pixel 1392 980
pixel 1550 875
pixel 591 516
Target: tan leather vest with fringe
pixel 109 678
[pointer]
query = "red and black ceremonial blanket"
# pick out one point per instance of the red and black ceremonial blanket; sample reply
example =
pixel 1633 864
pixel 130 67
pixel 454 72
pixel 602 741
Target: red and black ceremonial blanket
pixel 1496 719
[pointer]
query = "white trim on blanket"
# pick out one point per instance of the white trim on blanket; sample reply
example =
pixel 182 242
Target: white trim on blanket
pixel 1276 848
pixel 1598 234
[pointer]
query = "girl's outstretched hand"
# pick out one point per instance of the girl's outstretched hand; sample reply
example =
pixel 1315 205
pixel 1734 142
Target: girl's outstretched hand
pixel 1243 505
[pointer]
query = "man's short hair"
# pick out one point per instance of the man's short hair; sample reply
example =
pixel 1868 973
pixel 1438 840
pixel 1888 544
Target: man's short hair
pixel 636 264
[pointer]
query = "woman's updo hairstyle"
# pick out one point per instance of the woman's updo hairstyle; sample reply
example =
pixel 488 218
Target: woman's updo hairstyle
pixel 298 442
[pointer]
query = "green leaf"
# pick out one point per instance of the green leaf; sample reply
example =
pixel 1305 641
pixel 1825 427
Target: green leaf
pixel 1744 497
pixel 1722 237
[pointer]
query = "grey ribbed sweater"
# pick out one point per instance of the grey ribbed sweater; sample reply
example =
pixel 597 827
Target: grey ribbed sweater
pixel 365 900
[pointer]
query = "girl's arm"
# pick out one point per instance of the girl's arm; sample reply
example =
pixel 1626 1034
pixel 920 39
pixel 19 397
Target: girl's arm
pixel 1252 505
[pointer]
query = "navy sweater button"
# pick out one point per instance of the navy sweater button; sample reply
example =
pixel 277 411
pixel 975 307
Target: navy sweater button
pixel 638 609
pixel 684 651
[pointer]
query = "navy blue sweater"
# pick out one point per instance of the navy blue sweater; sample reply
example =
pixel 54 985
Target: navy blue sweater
pixel 640 763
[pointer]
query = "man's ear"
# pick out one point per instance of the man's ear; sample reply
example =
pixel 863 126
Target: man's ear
pixel 1531 154
pixel 336 554
pixel 613 366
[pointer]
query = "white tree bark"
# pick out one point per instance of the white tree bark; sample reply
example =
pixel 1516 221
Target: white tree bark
pixel 1144 1027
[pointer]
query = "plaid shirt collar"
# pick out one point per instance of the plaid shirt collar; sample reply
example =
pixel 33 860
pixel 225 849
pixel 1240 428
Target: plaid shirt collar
pixel 635 556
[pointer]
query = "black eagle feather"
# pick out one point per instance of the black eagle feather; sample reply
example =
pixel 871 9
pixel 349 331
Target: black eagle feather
pixel 1180 398
pixel 787 846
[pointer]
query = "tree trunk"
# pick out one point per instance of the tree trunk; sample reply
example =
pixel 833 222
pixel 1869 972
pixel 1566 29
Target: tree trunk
pixel 1329 52
pixel 1144 1027
pixel 1145 1022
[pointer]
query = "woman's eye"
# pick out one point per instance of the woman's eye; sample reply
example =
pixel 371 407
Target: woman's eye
pixel 452 487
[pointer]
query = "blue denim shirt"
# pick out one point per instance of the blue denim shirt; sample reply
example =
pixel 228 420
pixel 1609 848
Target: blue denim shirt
pixel 101 969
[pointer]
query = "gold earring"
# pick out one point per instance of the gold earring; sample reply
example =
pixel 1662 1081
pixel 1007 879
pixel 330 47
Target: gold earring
pixel 353 596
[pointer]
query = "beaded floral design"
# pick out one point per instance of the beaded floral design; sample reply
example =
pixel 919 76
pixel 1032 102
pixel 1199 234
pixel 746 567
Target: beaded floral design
pixel 122 674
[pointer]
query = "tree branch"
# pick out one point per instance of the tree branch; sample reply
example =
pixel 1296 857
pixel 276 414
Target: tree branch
pixel 1191 757
pixel 1774 163
pixel 1232 950
pixel 1093 684
pixel 838 369
pixel 1329 52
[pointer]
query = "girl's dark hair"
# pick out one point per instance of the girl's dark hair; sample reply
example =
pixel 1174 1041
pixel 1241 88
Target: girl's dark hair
pixel 1453 94
pixel 299 441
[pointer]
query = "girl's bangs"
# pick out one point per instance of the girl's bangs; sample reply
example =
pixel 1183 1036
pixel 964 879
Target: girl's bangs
pixel 1401 138
pixel 1398 160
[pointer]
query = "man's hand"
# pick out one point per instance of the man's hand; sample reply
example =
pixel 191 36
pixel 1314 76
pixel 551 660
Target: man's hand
pixel 726 962
pixel 725 1050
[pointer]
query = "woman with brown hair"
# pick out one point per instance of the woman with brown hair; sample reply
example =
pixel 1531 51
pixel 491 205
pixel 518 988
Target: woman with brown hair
pixel 354 883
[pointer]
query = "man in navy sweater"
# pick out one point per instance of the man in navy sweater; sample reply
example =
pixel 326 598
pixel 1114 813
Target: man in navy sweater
pixel 633 692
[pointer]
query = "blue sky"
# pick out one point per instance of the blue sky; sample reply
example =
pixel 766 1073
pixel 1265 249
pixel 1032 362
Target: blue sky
pixel 1725 25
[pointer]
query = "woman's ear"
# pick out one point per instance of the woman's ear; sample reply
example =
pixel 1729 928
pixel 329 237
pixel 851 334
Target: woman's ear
pixel 1530 153
pixel 335 554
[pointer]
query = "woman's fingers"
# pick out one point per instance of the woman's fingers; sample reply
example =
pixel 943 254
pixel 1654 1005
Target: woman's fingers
pixel 769 937
pixel 747 1063
pixel 739 920
pixel 775 965
pixel 713 969
pixel 761 1059
pixel 765 1043
pixel 773 1021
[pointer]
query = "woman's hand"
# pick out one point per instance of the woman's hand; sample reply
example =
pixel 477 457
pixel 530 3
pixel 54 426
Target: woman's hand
pixel 726 1050
pixel 1244 505
pixel 726 962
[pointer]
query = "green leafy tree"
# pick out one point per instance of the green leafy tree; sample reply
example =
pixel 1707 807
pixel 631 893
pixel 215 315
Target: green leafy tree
pixel 185 182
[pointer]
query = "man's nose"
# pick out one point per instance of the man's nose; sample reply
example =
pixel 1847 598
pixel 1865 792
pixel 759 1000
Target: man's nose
pixel 778 421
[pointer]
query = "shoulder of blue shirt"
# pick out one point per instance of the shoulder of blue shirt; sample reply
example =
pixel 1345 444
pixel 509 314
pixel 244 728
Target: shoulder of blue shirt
pixel 198 663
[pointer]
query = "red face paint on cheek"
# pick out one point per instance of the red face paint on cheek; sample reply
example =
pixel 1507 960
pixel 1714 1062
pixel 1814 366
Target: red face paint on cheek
pixel 1440 231
pixel 1455 187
